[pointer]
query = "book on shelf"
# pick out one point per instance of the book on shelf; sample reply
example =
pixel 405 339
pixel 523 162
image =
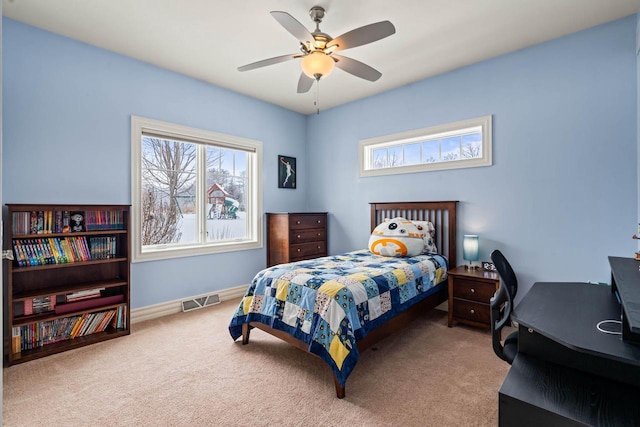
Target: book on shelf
pixel 38 334
pixel 15 340
pixel 61 250
pixel 28 307
pixel 104 220
pixel 34 223
pixel 59 221
pixel 66 221
pixel 34 306
pixel 87 304
pixel 83 294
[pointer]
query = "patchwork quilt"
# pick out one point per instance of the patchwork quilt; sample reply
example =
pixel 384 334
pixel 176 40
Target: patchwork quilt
pixel 331 302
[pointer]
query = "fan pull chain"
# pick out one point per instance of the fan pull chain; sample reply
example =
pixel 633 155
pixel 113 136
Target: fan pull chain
pixel 317 101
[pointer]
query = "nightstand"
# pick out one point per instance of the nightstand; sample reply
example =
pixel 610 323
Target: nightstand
pixel 469 294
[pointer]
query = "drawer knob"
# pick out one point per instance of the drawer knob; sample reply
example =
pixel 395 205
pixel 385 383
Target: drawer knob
pixel 318 221
pixel 298 236
pixel 298 249
pixel 472 311
pixel 298 222
pixel 473 291
pixel 319 234
pixel 318 246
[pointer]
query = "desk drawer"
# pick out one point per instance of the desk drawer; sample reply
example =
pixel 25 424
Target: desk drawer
pixel 470 310
pixel 473 290
pixel 307 250
pixel 299 222
pixel 311 235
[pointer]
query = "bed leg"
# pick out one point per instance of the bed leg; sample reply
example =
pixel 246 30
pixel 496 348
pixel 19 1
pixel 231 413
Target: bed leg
pixel 245 333
pixel 339 388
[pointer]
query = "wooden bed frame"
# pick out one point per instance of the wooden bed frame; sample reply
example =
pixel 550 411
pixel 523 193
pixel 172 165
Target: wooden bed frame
pixel 443 216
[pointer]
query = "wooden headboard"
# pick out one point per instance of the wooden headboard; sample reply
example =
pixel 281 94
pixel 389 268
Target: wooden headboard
pixel 441 214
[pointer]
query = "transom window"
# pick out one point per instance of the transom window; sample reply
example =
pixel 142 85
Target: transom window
pixel 194 191
pixel 461 144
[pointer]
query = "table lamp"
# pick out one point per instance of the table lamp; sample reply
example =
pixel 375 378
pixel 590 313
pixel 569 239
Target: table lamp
pixel 470 249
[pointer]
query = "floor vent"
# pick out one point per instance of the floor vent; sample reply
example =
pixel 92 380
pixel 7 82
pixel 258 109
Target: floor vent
pixel 203 301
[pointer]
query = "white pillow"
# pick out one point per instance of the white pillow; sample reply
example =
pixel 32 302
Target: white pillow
pixel 428 235
pixel 396 237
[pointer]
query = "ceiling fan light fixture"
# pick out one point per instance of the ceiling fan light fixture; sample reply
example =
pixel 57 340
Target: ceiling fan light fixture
pixel 317 63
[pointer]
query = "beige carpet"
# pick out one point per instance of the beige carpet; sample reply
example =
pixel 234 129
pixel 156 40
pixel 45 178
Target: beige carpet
pixel 184 370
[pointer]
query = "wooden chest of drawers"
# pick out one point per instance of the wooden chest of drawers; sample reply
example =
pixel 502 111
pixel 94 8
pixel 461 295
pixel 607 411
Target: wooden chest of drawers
pixel 295 236
pixel 469 294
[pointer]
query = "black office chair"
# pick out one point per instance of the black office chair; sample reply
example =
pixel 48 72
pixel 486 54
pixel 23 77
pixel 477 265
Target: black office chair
pixel 501 307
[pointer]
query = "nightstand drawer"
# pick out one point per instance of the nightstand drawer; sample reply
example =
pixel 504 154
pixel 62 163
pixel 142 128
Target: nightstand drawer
pixel 299 222
pixel 308 250
pixel 474 290
pixel 311 235
pixel 475 311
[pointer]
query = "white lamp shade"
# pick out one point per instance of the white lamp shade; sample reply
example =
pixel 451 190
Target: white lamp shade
pixel 317 63
pixel 470 250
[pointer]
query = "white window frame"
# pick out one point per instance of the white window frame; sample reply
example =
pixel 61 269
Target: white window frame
pixel 140 125
pixel 368 146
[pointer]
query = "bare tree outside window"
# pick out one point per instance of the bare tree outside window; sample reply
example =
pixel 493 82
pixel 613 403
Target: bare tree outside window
pixel 471 151
pixel 168 172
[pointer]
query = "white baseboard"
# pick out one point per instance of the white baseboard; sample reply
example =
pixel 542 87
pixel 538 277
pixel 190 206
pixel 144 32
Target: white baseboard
pixel 175 306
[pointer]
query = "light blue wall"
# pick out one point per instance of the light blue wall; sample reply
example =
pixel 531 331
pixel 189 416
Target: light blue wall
pixel 561 196
pixel 67 108
pixel 562 193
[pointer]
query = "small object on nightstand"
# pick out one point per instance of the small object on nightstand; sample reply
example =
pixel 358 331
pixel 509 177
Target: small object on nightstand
pixel 488 266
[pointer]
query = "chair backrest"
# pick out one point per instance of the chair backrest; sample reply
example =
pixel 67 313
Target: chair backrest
pixel 502 302
pixel 506 272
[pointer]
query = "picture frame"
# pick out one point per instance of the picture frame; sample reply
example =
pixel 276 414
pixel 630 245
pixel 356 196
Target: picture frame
pixel 488 266
pixel 77 221
pixel 287 171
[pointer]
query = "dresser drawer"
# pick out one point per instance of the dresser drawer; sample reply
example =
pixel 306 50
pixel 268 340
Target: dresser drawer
pixel 299 222
pixel 473 290
pixel 308 250
pixel 470 310
pixel 310 235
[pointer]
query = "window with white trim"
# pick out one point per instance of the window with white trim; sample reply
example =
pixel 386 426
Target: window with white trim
pixel 462 144
pixel 193 191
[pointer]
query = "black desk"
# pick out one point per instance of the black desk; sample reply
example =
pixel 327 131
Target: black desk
pixel 537 393
pixel 557 323
pixel 625 280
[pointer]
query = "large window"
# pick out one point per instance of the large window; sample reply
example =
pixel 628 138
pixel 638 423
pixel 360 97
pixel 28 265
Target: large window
pixel 194 191
pixel 461 144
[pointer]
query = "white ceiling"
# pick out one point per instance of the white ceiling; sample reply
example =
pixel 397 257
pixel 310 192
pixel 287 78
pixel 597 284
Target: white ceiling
pixel 209 39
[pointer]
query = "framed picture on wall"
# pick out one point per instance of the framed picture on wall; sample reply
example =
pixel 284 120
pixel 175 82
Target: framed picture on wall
pixel 286 172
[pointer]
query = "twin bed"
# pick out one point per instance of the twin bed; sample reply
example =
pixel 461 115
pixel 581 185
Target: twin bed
pixel 337 306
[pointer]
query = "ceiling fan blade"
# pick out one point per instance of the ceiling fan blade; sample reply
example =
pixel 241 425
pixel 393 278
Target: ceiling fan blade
pixel 304 83
pixel 292 25
pixel 357 68
pixel 269 61
pixel 363 35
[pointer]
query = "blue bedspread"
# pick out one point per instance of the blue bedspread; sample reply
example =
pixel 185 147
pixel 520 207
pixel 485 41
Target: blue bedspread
pixel 331 302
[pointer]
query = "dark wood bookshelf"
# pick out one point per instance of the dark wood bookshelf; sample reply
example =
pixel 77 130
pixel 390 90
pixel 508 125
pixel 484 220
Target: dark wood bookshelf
pixel 88 270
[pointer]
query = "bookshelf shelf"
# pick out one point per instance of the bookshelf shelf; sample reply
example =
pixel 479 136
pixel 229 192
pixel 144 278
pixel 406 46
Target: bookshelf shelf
pixel 30 269
pixel 69 283
pixel 61 346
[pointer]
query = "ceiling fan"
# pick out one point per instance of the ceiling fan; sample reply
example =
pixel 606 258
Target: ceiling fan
pixel 317 48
